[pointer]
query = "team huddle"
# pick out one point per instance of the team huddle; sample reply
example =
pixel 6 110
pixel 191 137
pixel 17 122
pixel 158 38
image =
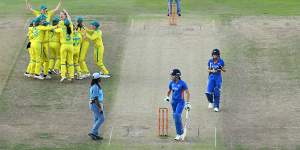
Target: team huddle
pixel 57 46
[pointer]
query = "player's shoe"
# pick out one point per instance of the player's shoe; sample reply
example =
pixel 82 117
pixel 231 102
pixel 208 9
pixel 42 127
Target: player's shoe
pixel 99 137
pixel 80 77
pixel 106 76
pixel 93 137
pixel 210 105
pixel 63 79
pixel 55 72
pixel 178 137
pixel 70 79
pixel 179 14
pixel 86 75
pixel 27 75
pixel 40 77
pixel 216 109
pixel 47 77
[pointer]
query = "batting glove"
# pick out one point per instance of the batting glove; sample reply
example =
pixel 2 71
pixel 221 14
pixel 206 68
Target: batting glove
pixel 188 106
pixel 167 99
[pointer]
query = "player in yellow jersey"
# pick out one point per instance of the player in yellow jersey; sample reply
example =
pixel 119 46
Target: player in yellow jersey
pixel 77 40
pixel 43 10
pixel 95 34
pixel 54 48
pixel 47 15
pixel 66 49
pixel 83 49
pixel 31 66
pixel 36 44
pixel 45 48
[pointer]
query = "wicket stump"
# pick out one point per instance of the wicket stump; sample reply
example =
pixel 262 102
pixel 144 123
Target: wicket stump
pixel 173 15
pixel 163 121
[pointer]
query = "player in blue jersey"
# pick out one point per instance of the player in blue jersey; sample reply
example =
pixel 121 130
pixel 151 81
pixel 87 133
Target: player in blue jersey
pixel 179 102
pixel 214 84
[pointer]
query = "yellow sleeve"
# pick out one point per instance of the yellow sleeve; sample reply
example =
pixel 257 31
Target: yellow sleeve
pixel 30 35
pixel 92 37
pixel 50 14
pixel 36 13
pixel 89 31
pixel 58 30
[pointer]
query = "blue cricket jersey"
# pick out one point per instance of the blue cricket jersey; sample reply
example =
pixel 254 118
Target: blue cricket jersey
pixel 178 90
pixel 211 65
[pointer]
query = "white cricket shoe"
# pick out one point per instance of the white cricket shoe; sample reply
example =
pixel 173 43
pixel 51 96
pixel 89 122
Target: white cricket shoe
pixel 216 109
pixel 86 75
pixel 40 77
pixel 80 77
pixel 56 72
pixel 177 138
pixel 27 75
pixel 63 79
pixel 48 77
pixel 210 105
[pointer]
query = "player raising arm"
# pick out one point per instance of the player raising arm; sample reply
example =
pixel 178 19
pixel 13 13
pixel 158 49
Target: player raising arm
pixel 43 10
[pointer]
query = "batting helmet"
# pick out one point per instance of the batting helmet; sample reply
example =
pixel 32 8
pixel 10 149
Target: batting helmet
pixel 176 72
pixel 216 52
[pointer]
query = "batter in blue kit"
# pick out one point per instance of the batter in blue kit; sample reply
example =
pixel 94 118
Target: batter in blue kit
pixel 214 84
pixel 178 88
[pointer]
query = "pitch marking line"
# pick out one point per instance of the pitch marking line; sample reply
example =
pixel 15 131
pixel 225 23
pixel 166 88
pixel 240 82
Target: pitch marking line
pixel 110 136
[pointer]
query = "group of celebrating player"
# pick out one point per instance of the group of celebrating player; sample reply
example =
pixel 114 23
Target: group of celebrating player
pixel 57 46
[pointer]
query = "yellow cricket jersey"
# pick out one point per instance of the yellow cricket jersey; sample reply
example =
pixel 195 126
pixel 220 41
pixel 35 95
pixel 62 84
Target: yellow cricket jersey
pixel 30 33
pixel 62 24
pixel 77 39
pixel 96 37
pixel 49 14
pixel 46 36
pixel 80 30
pixel 64 37
pixel 54 36
pixel 38 33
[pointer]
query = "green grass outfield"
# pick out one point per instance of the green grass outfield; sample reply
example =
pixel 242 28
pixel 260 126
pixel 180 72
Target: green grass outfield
pixel 133 7
pixel 128 8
